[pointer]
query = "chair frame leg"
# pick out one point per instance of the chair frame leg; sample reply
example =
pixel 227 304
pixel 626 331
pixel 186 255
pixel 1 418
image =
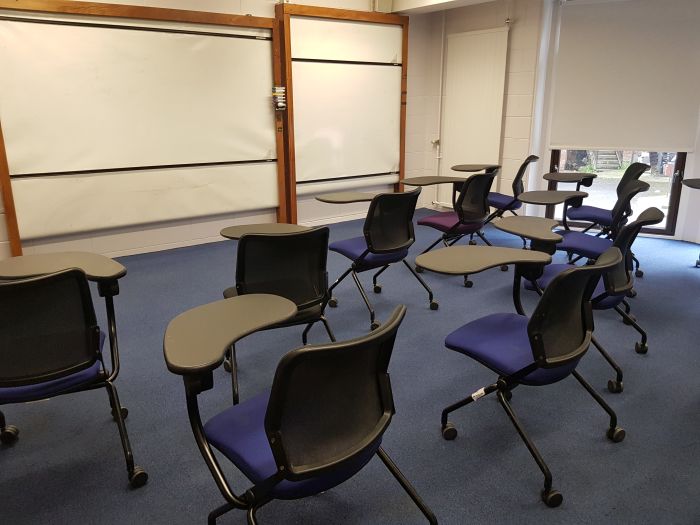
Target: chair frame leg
pixel 328 328
pixel 611 362
pixel 634 324
pixel 250 515
pixel 376 275
pixel 420 280
pixel 364 298
pixel 595 395
pixel 233 361
pixel 528 442
pixel 126 445
pixel 338 281
pixel 483 237
pixel 406 485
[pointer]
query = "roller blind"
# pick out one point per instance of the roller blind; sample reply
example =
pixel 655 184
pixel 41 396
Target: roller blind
pixel 627 75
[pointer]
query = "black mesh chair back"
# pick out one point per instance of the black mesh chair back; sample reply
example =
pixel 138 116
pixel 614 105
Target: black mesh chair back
pixel 48 328
pixel 560 327
pixel 632 173
pixel 618 281
pixel 292 265
pixel 330 402
pixel 518 186
pixel 622 207
pixel 472 205
pixel 389 223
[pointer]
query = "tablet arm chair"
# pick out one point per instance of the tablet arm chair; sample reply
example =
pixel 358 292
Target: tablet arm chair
pixel 591 246
pixel 471 209
pixel 291 265
pixel 388 234
pixel 536 351
pixel 612 290
pixel 601 217
pixel 50 345
pixel 322 421
pixel 502 202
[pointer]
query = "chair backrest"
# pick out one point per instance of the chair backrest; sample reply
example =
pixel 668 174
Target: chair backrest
pixel 619 281
pixel 292 265
pixel 633 172
pixel 389 223
pixel 622 208
pixel 518 186
pixel 330 402
pixel 560 327
pixel 48 328
pixel 472 205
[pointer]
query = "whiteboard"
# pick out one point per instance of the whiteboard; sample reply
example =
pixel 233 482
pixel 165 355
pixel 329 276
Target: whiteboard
pixel 76 98
pixel 346 119
pixel 52 206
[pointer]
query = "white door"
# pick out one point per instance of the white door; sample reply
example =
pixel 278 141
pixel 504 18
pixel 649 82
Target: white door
pixel 472 110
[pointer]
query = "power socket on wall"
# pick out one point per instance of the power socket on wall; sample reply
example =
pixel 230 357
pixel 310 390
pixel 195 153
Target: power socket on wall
pixel 382 6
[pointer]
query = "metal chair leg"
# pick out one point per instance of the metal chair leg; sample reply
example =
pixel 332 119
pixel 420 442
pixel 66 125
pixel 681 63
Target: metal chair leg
pixel 219 511
pixel 328 328
pixel 551 497
pixel 233 368
pixel 377 288
pixel 137 476
pixel 615 386
pixel 483 237
pixel 373 324
pixel 614 433
pixel 305 333
pixel 333 302
pixel 433 304
pixel 251 515
pixel 441 239
pixel 406 486
pixel 640 347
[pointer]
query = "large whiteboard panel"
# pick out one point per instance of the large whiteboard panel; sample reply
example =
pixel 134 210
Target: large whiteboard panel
pixel 345 40
pixel 346 119
pixel 50 206
pixel 82 98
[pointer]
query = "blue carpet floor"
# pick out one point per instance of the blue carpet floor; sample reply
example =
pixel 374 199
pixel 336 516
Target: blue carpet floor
pixel 68 466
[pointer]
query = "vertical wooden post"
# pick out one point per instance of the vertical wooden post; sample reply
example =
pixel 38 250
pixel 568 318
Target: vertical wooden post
pixel 8 201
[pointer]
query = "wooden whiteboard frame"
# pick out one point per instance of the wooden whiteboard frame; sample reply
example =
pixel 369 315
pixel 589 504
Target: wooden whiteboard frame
pixel 283 13
pixel 159 14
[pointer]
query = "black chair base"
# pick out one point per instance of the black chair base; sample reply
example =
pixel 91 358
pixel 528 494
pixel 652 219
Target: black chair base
pixel 503 387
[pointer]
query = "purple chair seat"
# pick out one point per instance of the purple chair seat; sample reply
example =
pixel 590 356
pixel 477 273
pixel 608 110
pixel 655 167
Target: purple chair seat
pixel 239 434
pixel 355 247
pixel 500 342
pixel 583 244
pixel 590 214
pixel 21 394
pixel 446 221
pixel 552 270
pixel 503 202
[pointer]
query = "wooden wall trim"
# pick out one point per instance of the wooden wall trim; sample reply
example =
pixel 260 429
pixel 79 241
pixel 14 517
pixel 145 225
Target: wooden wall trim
pixel 344 14
pixel 8 201
pixel 138 12
pixel 280 126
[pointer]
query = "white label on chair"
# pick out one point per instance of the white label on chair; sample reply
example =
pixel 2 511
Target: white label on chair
pixel 479 393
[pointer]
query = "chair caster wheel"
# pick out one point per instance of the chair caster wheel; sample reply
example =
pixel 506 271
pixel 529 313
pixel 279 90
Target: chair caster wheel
pixel 434 305
pixel 630 320
pixel 9 435
pixel 468 283
pixel 552 498
pixel 632 293
pixel 125 413
pixel 616 434
pixel 227 365
pixel 374 325
pixel 615 386
pixel 333 302
pixel 639 273
pixel 641 348
pixel 504 268
pixel 377 288
pixel 472 242
pixel 137 478
pixel 449 432
pixel 419 269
